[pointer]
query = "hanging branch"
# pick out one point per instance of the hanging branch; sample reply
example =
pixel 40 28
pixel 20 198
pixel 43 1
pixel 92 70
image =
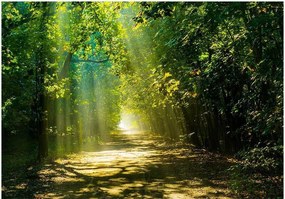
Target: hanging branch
pixel 89 60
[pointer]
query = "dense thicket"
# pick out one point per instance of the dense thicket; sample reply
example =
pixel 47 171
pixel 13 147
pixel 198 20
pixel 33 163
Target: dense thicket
pixel 228 58
pixel 56 65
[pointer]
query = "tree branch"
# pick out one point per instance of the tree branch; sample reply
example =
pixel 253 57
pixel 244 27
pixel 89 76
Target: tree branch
pixel 66 66
pixel 91 61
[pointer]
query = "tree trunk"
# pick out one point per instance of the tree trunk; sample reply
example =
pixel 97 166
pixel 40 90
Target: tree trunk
pixel 212 132
pixel 40 72
pixel 190 129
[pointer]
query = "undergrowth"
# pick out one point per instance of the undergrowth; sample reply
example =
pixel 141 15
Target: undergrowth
pixel 259 173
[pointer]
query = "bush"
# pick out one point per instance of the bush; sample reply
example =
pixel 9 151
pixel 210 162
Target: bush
pixel 266 160
pixel 259 173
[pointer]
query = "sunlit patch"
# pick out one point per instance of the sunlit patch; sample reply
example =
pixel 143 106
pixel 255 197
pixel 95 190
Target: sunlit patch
pixel 172 186
pixel 119 190
pixel 134 170
pixel 178 196
pixel 49 195
pixel 102 172
pixel 114 190
pixel 21 186
pixel 61 179
pixel 105 157
pixel 47 171
pixel 133 185
pixel 131 132
pixel 85 189
pixel 192 182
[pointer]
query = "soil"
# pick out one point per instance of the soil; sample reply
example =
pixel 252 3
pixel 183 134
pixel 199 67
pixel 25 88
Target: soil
pixel 129 164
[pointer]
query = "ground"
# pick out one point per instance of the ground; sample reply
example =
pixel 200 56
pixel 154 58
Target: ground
pixel 130 164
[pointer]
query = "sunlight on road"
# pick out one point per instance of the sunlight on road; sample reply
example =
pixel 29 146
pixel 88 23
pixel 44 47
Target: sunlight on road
pixel 132 166
pixel 109 162
pixel 131 132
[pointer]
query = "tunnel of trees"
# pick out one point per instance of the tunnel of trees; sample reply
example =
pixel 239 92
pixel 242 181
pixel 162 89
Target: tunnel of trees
pixel 210 74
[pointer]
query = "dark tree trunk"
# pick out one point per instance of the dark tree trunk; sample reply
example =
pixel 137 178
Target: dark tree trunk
pixel 190 126
pixel 212 132
pixel 40 102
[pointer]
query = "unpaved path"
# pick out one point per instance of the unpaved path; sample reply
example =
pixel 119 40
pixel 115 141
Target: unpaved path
pixel 130 164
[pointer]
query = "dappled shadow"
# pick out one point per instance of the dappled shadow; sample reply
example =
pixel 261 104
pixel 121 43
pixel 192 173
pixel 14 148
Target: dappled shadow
pixel 134 165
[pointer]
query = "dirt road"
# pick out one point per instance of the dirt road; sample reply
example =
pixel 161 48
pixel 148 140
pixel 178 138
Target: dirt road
pixel 130 164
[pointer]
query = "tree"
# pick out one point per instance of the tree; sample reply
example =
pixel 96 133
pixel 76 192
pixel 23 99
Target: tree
pixel 216 51
pixel 43 66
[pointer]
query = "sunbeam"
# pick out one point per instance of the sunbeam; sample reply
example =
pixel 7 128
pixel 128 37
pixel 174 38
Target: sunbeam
pixel 142 99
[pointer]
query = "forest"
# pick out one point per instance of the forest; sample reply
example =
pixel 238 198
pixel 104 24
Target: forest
pixel 142 99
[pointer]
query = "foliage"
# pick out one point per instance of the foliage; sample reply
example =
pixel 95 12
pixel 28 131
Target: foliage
pixel 266 159
pixel 255 185
pixel 211 73
pixel 64 43
pixel 228 60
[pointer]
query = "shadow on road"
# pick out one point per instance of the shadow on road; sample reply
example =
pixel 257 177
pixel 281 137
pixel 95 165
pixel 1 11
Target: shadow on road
pixel 129 165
